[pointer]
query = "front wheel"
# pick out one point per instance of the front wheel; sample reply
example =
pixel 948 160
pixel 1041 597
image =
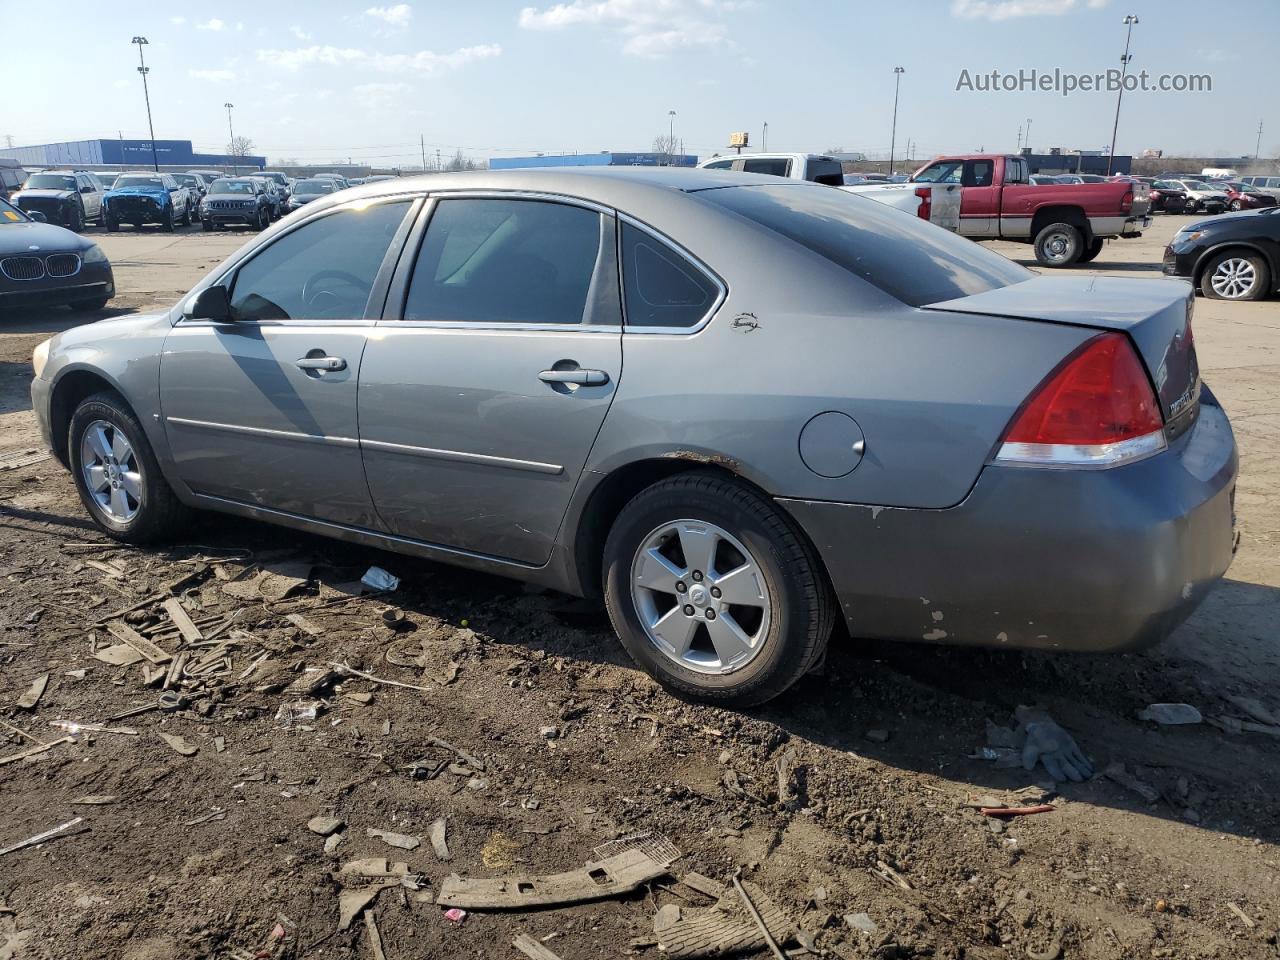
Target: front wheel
pixel 116 473
pixel 1059 245
pixel 1235 275
pixel 168 223
pixel 206 224
pixel 75 219
pixel 714 592
pixel 113 226
pixel 186 216
pixel 1236 206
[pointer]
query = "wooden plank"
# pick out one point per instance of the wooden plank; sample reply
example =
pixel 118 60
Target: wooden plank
pixel 32 751
pixel 186 626
pixel 532 949
pixel 126 634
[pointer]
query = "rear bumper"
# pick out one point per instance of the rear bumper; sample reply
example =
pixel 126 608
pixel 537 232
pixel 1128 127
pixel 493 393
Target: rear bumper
pixel 1100 560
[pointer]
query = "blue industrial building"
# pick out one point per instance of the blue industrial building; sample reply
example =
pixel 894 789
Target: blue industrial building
pixel 125 153
pixel 605 159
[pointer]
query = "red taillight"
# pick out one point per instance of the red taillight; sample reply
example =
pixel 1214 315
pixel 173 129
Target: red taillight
pixel 925 210
pixel 1126 202
pixel 1096 409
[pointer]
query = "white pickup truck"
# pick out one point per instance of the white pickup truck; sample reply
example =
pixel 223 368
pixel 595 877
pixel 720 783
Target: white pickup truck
pixel 939 203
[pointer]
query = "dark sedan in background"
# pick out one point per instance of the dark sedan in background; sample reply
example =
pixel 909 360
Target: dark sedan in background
pixel 41 263
pixel 304 191
pixel 1231 257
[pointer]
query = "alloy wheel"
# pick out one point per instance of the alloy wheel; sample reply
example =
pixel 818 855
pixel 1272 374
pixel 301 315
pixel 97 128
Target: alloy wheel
pixel 1233 278
pixel 111 471
pixel 1057 247
pixel 701 596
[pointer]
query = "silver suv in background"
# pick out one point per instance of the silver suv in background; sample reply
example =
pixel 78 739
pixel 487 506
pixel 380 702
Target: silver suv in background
pixel 68 198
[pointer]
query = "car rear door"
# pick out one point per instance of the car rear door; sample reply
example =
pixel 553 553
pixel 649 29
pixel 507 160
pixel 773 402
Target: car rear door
pixel 262 411
pixel 484 386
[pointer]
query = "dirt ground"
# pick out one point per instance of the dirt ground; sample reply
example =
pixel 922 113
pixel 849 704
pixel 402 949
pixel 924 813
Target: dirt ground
pixel 847 796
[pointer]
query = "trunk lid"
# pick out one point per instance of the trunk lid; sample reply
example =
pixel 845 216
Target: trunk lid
pixel 1156 314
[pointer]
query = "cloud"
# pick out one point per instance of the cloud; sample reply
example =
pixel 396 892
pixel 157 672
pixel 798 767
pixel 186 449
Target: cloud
pixel 378 89
pixel 1214 55
pixel 653 28
pixel 424 61
pixel 213 76
pixel 211 24
pixel 177 21
pixel 298 32
pixel 397 16
pixel 1009 9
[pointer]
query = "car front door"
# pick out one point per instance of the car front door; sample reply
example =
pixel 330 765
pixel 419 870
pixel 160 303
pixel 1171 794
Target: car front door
pixel 262 410
pixel 90 196
pixel 484 386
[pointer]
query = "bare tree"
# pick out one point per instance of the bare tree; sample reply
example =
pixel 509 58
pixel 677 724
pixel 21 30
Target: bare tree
pixel 668 146
pixel 240 147
pixel 459 161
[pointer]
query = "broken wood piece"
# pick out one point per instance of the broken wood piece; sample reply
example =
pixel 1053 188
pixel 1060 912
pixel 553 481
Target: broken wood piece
pixel 347 668
pixel 179 744
pixel 704 885
pixel 19 731
pixel 174 675
pixel 114 572
pixel 1015 811
pixel 532 949
pixel 119 655
pixel 126 634
pixel 375 938
pixel 401 840
pixel 1244 917
pixel 94 800
pixel 596 881
pixel 182 620
pixel 467 758
pixel 33 751
pixel 438 841
pixel 34 692
pixel 305 625
pixel 889 875
pixel 41 837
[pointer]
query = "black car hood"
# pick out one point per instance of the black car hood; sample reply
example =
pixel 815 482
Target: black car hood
pixel 41 237
pixel 1221 218
pixel 48 194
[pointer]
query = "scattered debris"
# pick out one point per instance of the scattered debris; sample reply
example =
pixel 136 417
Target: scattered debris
pixel 1171 714
pixel 94 800
pixel 126 634
pixel 178 614
pixel 755 916
pixel 120 655
pixel 33 751
pixel 532 949
pixel 305 625
pixel 861 922
pixel 362 880
pixel 727 927
pixel 704 885
pixel 438 842
pixel 75 729
pixel 596 881
pixel 655 846
pixel 1117 773
pixel 454 915
pixel 1255 709
pixel 549 733
pixel 324 826
pixel 347 668
pixel 42 837
pixel 333 841
pixel 375 578
pixel 217 813
pixel 375 938
pixel 1003 811
pixel 400 840
pixel 34 692
pixel 300 711
pixel 1052 746
pixel 179 744
pixel 1244 917
pixel 889 875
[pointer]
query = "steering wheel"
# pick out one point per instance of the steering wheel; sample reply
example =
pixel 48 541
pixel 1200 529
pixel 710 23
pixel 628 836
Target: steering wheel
pixel 314 294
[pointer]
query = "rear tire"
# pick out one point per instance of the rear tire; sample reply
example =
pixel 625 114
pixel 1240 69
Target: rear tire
pixel 1059 245
pixel 144 509
pixel 768 636
pixel 186 216
pixel 113 226
pixel 75 221
pixel 168 224
pixel 1091 253
pixel 206 224
pixel 1235 275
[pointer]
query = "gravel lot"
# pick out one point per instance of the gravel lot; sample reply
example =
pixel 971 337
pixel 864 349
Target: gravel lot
pixel 209 855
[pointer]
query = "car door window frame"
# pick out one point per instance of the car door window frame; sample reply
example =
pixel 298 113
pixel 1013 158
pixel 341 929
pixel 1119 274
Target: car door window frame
pixel 376 302
pixel 722 290
pixel 606 272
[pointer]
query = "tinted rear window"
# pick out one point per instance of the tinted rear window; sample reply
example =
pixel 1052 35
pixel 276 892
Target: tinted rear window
pixel 902 255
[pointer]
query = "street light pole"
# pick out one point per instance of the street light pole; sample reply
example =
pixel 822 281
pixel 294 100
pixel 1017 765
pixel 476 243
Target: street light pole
pixel 893 135
pixel 144 70
pixel 1027 142
pixel 1130 21
pixel 671 137
pixel 231 143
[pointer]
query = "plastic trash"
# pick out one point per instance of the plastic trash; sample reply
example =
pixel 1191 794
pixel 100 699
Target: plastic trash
pixel 375 578
pixel 300 711
pixel 1171 714
pixel 454 915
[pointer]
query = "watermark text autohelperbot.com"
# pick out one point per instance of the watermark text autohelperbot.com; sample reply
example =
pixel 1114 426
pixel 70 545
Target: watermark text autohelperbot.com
pixel 1065 83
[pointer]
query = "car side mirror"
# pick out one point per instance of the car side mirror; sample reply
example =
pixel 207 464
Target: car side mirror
pixel 211 303
pixel 37 216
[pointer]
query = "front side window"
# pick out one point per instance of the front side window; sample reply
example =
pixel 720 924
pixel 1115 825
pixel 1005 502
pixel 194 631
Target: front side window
pixel 497 261
pixel 775 167
pixel 323 270
pixel 660 287
pixel 979 173
pixel 904 256
pixel 945 171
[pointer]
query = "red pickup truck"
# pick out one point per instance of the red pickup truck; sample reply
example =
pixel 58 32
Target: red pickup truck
pixel 1066 222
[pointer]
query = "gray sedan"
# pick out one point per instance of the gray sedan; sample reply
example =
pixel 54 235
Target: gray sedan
pixel 737 408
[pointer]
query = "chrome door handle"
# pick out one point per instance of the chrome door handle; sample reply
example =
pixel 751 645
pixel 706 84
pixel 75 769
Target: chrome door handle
pixel 586 378
pixel 320 363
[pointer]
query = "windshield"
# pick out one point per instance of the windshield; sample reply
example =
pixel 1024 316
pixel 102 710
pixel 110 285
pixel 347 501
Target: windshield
pixel 902 255
pixel 185 179
pixel 127 181
pixel 10 214
pixel 106 179
pixel 49 181
pixel 313 186
pixel 232 186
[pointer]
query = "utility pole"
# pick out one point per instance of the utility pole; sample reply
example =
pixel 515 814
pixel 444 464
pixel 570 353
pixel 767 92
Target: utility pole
pixel 1257 147
pixel 231 144
pixel 671 135
pixel 422 144
pixel 1019 150
pixel 893 135
pixel 1028 140
pixel 764 137
pixel 144 70
pixel 1130 21
pixel 438 167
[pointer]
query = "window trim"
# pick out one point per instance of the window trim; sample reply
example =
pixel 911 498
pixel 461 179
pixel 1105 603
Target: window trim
pixel 377 293
pixel 722 290
pixel 398 293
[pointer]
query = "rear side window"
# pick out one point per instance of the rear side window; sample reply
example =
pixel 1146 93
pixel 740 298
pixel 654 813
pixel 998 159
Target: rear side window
pixel 902 255
pixel 719 165
pixel 323 270
pixel 776 167
pixel 661 287
pixel 506 261
pixel 829 172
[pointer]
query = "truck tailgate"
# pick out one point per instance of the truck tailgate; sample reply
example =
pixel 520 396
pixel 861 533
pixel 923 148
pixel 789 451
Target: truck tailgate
pixel 944 200
pixel 1156 314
